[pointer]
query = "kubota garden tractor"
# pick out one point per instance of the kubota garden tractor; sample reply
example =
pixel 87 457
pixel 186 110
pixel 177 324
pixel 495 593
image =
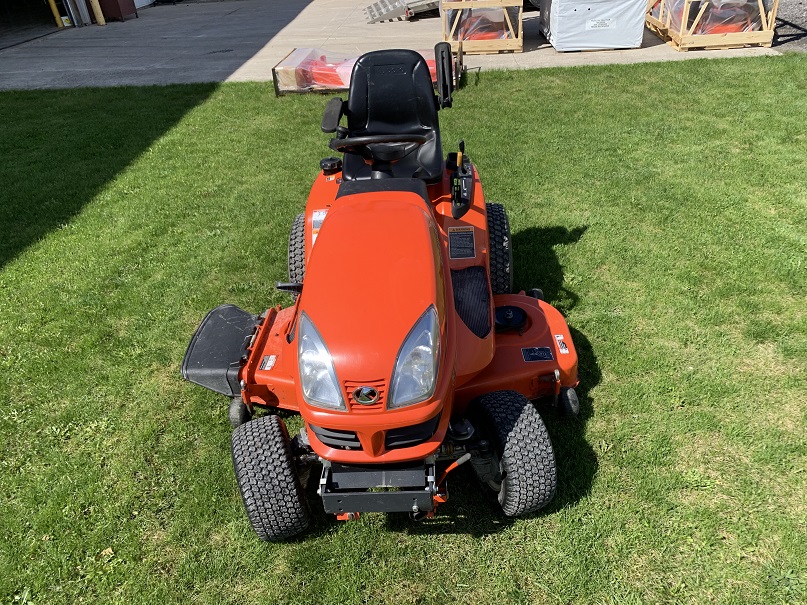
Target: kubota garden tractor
pixel 406 351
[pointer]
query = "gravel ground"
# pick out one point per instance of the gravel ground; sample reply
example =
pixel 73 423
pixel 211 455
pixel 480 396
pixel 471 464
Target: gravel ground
pixel 791 25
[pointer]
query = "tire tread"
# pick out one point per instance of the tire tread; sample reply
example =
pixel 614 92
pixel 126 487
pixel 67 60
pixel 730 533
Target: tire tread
pixel 527 457
pixel 271 492
pixel 501 251
pixel 296 253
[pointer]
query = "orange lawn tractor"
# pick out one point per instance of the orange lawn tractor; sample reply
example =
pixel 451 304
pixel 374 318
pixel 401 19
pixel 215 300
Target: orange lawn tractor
pixel 406 351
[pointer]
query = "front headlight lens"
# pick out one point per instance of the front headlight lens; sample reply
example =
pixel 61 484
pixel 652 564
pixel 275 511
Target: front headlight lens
pixel 317 376
pixel 415 374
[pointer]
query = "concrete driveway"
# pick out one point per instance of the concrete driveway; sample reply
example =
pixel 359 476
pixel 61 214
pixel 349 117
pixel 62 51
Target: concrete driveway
pixel 241 40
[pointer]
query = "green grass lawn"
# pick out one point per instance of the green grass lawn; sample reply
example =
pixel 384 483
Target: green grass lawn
pixel 662 207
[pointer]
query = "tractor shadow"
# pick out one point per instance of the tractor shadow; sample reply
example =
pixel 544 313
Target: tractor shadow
pixel 469 510
pixel 537 265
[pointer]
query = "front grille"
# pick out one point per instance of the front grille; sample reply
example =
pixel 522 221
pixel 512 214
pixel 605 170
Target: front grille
pixel 340 440
pixel 409 436
pixel 378 385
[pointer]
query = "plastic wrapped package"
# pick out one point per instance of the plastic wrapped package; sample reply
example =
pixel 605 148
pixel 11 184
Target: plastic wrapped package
pixel 719 16
pixel 483 24
pixel 314 70
pixel 674 10
pixel 572 25
pixel 306 69
pixel 729 17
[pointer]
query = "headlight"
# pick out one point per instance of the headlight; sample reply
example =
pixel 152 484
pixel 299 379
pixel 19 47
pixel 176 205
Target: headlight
pixel 318 379
pixel 415 373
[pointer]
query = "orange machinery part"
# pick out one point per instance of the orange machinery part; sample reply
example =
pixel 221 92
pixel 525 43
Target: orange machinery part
pixel 480 367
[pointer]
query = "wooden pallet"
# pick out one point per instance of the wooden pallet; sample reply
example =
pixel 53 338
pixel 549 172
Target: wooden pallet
pixel 515 35
pixel 684 38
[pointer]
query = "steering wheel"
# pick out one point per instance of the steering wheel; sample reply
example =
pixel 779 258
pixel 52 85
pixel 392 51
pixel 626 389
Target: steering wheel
pixel 351 143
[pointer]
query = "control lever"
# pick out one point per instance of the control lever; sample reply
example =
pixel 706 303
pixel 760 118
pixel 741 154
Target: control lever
pixel 462 185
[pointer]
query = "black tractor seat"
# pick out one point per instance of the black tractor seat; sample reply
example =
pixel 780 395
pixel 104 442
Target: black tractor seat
pixel 391 93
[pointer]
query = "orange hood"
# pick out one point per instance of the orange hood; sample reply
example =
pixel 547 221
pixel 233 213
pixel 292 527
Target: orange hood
pixel 374 270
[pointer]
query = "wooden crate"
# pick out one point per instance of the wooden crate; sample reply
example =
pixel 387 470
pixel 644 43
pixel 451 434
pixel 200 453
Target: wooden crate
pixel 684 38
pixel 515 35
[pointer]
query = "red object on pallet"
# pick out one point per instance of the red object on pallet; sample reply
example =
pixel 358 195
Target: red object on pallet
pixel 313 69
pixel 482 24
pixel 718 17
pixel 729 18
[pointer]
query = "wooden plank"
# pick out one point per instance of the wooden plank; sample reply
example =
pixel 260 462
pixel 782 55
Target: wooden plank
pixel 684 17
pixel 485 47
pixel 651 21
pixel 698 18
pixel 460 4
pixel 772 14
pixel 713 41
pixel 762 15
pixel 457 17
pixel 509 25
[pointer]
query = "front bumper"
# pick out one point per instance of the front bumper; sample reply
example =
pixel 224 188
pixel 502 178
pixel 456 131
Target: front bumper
pixel 395 488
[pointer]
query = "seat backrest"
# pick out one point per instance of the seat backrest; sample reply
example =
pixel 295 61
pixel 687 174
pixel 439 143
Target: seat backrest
pixel 391 92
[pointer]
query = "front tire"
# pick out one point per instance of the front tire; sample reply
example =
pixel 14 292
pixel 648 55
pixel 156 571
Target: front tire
pixel 527 477
pixel 272 494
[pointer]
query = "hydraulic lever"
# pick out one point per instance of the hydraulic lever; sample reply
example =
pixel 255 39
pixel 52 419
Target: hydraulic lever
pixel 462 184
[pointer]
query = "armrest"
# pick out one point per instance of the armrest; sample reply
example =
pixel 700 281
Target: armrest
pixel 333 113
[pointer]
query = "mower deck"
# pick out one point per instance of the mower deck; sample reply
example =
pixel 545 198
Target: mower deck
pixel 215 354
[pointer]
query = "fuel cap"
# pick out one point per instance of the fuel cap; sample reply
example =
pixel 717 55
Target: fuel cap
pixel 330 165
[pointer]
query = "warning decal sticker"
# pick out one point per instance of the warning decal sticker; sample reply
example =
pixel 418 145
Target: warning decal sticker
pixel 461 242
pixel 268 362
pixel 562 348
pixel 319 216
pixel 537 354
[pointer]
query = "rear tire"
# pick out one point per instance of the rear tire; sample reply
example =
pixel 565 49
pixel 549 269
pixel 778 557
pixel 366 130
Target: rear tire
pixel 297 250
pixel 527 477
pixel 501 250
pixel 271 491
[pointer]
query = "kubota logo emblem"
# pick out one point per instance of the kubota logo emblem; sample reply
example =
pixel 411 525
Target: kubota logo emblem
pixel 365 395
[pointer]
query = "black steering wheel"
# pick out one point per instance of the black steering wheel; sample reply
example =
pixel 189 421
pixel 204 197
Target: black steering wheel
pixel 350 143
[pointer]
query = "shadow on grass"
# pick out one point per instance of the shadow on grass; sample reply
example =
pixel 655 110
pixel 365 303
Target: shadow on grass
pixel 61 148
pixel 537 265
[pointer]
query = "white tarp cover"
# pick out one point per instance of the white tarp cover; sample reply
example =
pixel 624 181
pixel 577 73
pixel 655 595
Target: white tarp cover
pixel 593 24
